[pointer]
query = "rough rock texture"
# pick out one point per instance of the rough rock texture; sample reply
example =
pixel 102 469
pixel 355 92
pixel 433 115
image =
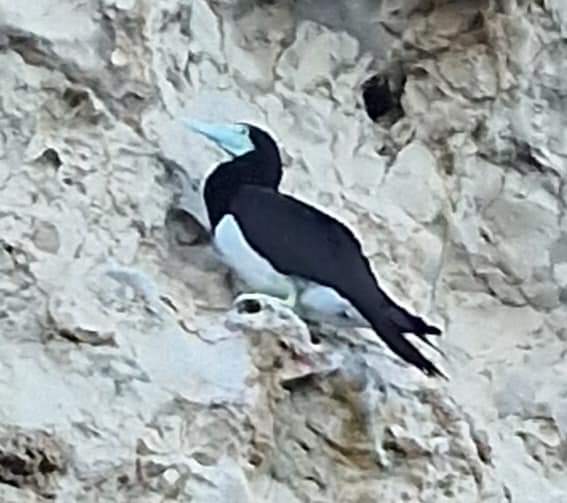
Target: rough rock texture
pixel 126 372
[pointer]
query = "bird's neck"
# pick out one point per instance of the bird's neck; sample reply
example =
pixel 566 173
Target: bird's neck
pixel 227 179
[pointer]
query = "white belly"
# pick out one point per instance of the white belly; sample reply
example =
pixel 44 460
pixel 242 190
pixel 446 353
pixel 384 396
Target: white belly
pixel 250 267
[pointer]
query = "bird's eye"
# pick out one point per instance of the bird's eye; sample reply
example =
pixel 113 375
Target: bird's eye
pixel 242 130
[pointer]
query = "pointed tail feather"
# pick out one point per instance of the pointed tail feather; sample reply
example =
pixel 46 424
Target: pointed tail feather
pixel 408 323
pixel 421 327
pixel 390 324
pixel 423 337
pixel 390 333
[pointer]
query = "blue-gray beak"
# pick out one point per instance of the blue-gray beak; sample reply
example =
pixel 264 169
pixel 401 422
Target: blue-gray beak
pixel 233 138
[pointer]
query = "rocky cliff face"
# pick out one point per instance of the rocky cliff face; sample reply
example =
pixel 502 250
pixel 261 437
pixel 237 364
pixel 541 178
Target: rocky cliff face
pixel 127 374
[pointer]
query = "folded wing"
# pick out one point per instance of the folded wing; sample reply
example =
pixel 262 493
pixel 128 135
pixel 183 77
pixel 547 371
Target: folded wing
pixel 301 241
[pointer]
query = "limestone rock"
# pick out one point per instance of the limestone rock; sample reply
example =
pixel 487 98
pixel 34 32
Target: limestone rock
pixel 129 371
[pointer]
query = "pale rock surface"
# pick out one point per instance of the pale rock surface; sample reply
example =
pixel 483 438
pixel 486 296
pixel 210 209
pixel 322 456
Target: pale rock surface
pixel 126 371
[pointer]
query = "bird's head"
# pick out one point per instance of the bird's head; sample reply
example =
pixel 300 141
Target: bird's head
pixel 255 153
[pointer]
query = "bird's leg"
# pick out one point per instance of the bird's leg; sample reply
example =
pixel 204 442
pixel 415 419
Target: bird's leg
pixel 291 300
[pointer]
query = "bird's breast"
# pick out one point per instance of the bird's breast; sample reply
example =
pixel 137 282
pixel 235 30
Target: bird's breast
pixel 252 268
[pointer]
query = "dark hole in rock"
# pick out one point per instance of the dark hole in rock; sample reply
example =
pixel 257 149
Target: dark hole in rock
pixel 69 335
pixel 31 460
pixel 14 464
pixel 299 383
pixel 304 446
pixel 9 248
pixel 478 21
pixel 315 338
pixel 46 465
pixel 74 97
pixel 50 156
pixel 283 345
pixel 184 229
pixel 9 482
pixel 123 479
pixel 484 235
pixel 249 306
pixel 420 73
pixel 255 459
pixel 525 155
pixel 377 97
pixel 67 181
